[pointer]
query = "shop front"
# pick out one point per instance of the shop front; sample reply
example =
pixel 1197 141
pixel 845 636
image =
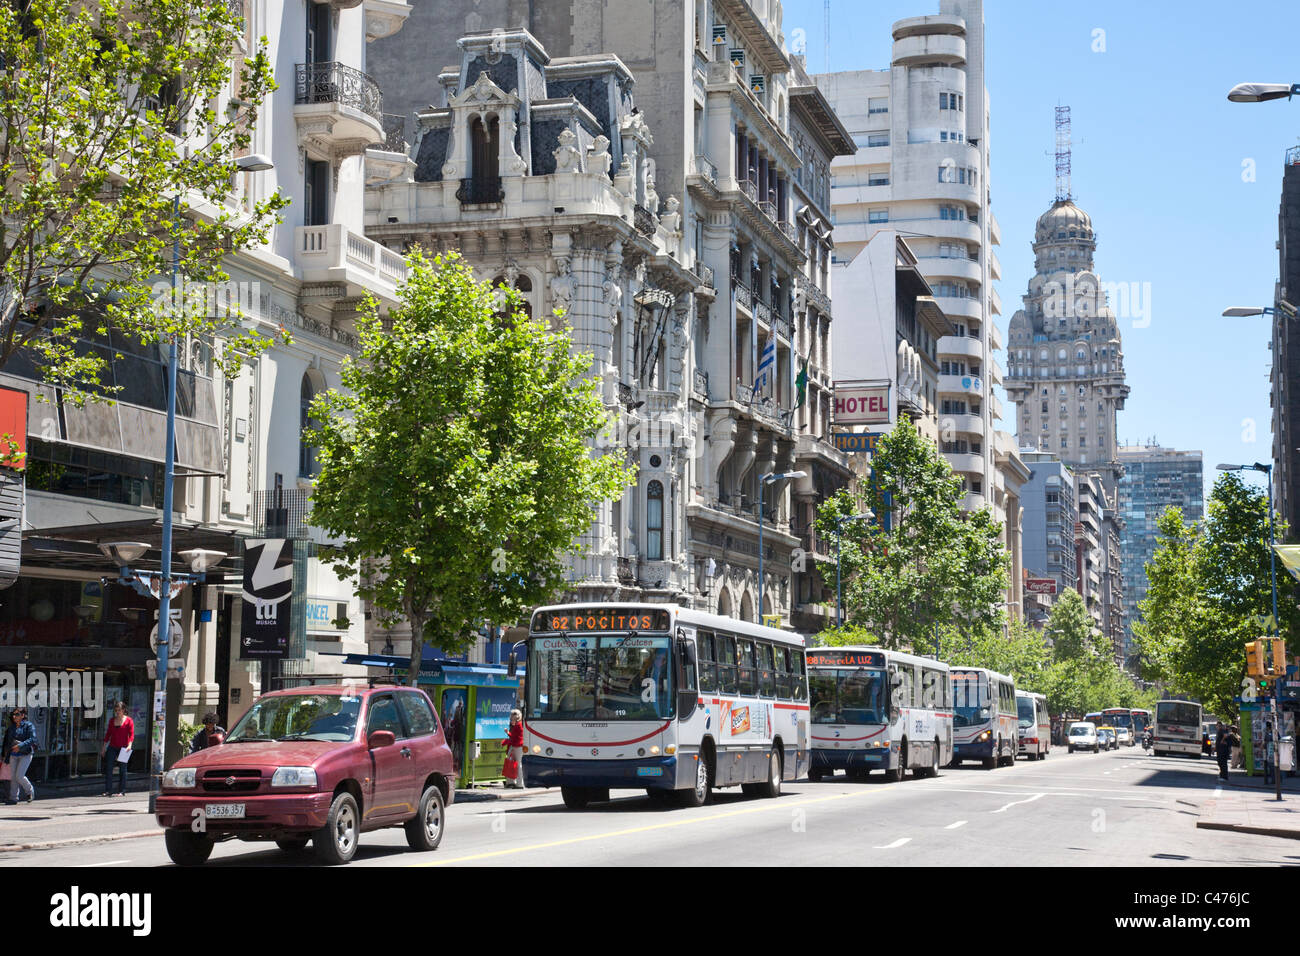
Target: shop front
pixel 473 702
pixel 68 649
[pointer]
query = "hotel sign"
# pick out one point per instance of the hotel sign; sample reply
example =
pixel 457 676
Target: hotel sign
pixel 857 441
pixel 862 405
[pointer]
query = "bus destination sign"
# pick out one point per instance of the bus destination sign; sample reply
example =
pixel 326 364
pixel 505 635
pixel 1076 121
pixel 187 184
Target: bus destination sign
pixel 836 658
pixel 601 618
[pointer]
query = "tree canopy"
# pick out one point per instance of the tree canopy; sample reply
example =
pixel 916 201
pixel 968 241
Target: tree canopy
pixel 456 462
pixel 111 113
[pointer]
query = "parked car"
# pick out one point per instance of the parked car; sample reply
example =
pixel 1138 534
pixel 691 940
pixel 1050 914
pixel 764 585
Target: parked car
pixel 1107 739
pixel 1082 736
pixel 319 763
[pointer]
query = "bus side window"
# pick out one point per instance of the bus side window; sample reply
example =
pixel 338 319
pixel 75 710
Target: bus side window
pixel 766 671
pixel 707 662
pixel 798 679
pixel 781 655
pixel 726 648
pixel 748 676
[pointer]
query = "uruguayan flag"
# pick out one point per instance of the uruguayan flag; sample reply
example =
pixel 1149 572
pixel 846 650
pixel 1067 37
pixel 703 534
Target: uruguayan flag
pixel 766 361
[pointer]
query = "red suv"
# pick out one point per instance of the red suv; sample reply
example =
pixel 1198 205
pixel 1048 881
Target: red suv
pixel 299 766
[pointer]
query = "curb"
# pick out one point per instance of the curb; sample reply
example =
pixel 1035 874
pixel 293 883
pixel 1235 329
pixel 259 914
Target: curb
pixel 486 796
pixel 55 844
pixel 1286 834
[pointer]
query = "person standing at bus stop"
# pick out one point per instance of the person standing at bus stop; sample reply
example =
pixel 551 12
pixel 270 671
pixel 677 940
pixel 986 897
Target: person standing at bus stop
pixel 514 743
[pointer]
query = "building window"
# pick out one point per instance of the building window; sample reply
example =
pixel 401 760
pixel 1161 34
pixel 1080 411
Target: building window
pixel 654 521
pixel 317 211
pixel 878 215
pixel 877 104
pixel 877 139
pixel 878 179
pixel 306 452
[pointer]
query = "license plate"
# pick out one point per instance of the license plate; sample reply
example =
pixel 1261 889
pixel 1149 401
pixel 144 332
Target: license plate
pixel 649 771
pixel 224 811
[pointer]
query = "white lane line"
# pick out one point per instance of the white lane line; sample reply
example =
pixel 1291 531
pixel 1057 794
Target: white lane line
pixel 896 844
pixel 953 826
pixel 1015 802
pixel 82 866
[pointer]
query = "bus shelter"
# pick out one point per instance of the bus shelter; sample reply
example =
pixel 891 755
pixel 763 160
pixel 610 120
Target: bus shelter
pixel 473 702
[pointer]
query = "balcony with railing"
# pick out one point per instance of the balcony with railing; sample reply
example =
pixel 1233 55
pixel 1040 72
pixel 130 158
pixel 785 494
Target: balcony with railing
pixel 481 191
pixel 644 221
pixel 705 169
pixel 705 274
pixel 332 253
pixel 395 133
pixel 338 102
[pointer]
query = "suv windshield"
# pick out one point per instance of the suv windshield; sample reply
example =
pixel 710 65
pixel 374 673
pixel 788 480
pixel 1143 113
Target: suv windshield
pixel 299 717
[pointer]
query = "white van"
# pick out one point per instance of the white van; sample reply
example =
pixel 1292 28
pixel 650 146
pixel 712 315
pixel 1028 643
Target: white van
pixel 1083 736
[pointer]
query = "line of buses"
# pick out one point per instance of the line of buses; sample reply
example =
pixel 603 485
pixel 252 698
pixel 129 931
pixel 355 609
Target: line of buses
pixel 678 702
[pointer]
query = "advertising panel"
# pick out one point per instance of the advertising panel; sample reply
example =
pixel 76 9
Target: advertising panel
pixel 268 586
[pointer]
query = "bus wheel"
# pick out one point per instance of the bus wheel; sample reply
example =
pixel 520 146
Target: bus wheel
pixel 772 786
pixel 893 775
pixel 991 762
pixel 933 770
pixel 698 795
pixel 575 798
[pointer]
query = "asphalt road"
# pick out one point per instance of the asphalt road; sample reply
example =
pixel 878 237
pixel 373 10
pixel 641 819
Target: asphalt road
pixel 1123 808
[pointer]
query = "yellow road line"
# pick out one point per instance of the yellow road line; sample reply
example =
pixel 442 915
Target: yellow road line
pixel 767 807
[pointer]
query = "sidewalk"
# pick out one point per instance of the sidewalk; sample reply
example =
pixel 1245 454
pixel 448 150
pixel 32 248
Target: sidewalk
pixel 1247 805
pixel 57 818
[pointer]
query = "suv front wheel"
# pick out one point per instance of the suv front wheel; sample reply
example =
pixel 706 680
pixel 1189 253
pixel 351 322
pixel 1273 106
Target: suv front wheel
pixel 424 830
pixel 187 848
pixel 336 841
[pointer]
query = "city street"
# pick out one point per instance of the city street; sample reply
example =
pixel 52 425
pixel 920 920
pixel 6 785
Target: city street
pixel 1124 808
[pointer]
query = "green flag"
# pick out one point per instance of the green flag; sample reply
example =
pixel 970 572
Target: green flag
pixel 801 385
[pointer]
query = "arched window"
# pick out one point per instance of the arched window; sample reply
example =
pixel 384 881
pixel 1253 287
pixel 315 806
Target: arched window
pixel 484 148
pixel 654 521
pixel 307 467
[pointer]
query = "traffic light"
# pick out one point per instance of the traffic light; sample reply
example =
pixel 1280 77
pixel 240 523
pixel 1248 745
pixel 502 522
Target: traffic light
pixel 1277 657
pixel 1255 658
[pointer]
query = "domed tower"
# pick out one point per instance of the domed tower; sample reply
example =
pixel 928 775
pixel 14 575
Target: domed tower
pixel 1065 366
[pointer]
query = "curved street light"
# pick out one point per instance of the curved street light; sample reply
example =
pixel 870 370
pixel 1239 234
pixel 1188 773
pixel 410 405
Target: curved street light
pixel 1260 92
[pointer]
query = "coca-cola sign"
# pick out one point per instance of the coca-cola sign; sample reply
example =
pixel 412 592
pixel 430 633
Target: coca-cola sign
pixel 1040 585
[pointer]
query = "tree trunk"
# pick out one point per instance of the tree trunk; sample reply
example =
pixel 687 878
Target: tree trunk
pixel 417 648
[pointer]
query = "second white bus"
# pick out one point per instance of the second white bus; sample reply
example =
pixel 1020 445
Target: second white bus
pixel 1035 725
pixel 985 720
pixel 876 709
pixel 1177 728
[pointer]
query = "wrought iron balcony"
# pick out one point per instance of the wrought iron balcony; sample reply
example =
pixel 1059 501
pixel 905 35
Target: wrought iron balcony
pixel 749 189
pixel 395 132
pixel 644 222
pixel 704 167
pixel 333 82
pixel 705 273
pixel 480 190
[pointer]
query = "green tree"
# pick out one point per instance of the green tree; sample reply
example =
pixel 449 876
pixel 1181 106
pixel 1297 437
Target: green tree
pixel 456 463
pixel 1069 629
pixel 934 567
pixel 1209 593
pixel 1018 652
pixel 107 114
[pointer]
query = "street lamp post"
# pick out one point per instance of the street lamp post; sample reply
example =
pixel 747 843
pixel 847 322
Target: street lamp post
pixel 1267 470
pixel 839 600
pixel 246 164
pixel 763 482
pixel 1260 92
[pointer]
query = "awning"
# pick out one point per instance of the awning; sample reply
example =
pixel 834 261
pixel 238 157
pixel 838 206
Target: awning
pixel 436 671
pixel 1289 554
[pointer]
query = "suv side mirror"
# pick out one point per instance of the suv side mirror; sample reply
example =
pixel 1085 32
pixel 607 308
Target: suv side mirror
pixel 380 738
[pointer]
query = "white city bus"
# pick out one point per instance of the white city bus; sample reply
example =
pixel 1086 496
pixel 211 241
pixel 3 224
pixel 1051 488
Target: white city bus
pixel 985 720
pixel 878 709
pixel 1035 726
pixel 1177 728
pixel 661 698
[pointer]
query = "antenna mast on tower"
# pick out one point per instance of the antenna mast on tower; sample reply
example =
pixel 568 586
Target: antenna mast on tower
pixel 1063 185
pixel 827 8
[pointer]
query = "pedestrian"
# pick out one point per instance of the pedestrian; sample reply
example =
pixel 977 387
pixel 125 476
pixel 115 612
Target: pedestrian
pixel 514 744
pixel 1238 761
pixel 203 739
pixel 22 747
pixel 118 737
pixel 6 768
pixel 1223 739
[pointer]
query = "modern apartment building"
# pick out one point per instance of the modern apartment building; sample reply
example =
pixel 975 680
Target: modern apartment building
pixel 1098 558
pixel 244 469
pixel 1051 514
pixel 921 167
pixel 666 184
pixel 1154 480
pixel 1285 377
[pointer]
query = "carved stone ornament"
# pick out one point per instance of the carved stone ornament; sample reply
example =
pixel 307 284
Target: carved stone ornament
pixel 671 217
pixel 563 286
pixel 567 157
pixel 623 179
pixel 598 157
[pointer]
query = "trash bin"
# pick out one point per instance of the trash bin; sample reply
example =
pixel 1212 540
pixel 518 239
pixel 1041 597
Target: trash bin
pixel 1287 753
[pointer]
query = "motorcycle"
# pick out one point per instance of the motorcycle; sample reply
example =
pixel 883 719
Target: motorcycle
pixel 1146 741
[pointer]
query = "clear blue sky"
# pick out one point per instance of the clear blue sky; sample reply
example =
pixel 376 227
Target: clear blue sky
pixel 1157 163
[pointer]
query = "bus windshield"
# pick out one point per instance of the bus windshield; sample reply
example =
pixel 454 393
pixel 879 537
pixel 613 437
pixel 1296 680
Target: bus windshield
pixel 607 678
pixel 854 696
pixel 971 700
pixel 1025 710
pixel 1118 719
